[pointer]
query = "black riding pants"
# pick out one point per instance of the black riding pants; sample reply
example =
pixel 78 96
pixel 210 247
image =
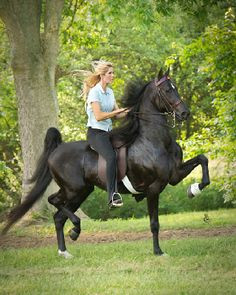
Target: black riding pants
pixel 100 142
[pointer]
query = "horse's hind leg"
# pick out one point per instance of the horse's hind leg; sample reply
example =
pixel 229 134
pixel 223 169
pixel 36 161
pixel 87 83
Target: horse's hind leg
pixel 186 168
pixel 64 212
pixel 59 220
pixel 58 200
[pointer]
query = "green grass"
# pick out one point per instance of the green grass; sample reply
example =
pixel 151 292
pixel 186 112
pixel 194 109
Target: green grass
pixel 194 266
pixel 218 218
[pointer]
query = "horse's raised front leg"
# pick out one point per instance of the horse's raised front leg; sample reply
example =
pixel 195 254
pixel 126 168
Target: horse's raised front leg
pixel 153 206
pixel 186 168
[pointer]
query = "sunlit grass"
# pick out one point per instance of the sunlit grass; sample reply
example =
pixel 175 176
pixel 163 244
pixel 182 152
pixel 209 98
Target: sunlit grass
pixel 218 218
pixel 170 221
pixel 194 266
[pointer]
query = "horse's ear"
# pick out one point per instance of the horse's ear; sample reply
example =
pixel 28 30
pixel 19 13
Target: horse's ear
pixel 167 72
pixel 160 74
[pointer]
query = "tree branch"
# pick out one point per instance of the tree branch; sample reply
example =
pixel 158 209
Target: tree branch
pixel 73 16
pixel 76 6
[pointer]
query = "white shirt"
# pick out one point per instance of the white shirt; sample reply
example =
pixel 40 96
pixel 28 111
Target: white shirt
pixel 106 100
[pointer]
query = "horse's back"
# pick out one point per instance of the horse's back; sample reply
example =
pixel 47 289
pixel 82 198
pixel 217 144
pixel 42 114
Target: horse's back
pixel 68 155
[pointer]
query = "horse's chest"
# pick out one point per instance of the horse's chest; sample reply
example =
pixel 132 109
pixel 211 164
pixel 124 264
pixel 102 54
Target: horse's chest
pixel 143 156
pixel 147 163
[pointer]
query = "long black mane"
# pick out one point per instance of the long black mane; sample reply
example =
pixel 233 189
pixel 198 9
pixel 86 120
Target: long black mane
pixel 129 127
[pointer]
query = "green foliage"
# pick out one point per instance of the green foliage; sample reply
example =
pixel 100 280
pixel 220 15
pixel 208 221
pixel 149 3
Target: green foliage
pixel 102 31
pixel 72 115
pixel 205 72
pixel 172 200
pixel 10 161
pixel 96 207
pixel 10 184
pixel 137 38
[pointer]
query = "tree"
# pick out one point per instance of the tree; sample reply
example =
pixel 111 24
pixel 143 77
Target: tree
pixel 32 27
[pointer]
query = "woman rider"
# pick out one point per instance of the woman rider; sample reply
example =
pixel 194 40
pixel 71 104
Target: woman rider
pixel 101 107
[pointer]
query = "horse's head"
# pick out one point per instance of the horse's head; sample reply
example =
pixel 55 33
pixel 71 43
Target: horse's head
pixel 167 98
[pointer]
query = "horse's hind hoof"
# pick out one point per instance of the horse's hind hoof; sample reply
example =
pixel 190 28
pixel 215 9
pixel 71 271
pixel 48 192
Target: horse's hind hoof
pixel 74 233
pixel 65 254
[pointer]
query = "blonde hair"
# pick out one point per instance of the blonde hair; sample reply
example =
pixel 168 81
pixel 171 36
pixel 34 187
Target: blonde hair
pixel 101 67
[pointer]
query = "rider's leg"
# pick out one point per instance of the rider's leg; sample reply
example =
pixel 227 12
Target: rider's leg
pixel 100 141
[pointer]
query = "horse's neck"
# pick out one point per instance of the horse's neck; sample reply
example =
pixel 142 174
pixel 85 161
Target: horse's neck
pixel 153 125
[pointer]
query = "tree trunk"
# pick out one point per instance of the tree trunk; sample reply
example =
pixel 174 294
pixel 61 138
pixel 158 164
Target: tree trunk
pixel 33 64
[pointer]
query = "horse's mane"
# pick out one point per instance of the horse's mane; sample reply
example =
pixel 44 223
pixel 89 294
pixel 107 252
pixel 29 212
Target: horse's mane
pixel 129 127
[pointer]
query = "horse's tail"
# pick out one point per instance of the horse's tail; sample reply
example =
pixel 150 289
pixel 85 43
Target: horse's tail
pixel 41 177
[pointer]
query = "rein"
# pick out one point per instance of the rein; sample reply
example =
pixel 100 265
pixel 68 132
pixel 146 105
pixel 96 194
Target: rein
pixel 157 114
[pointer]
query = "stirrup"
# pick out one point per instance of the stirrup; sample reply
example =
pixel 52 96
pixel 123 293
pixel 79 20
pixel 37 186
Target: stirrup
pixel 116 201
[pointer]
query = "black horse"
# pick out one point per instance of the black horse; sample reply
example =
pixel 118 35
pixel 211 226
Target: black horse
pixel 154 160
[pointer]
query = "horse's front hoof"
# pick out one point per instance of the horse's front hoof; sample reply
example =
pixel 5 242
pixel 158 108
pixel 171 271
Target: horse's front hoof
pixel 159 253
pixel 74 233
pixel 164 255
pixel 189 193
pixel 193 190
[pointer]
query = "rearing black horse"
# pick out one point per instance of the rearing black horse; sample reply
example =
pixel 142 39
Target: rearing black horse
pixel 154 160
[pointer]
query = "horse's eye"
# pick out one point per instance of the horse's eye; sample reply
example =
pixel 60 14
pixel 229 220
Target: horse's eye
pixel 169 90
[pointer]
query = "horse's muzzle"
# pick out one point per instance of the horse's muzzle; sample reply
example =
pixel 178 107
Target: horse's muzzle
pixel 184 115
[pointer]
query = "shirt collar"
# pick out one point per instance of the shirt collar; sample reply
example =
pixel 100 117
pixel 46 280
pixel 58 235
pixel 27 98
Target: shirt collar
pixel 102 90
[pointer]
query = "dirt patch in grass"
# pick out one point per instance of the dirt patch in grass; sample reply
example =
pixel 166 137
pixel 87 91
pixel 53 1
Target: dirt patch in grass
pixel 10 241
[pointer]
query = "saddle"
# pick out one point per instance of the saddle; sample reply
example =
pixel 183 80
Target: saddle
pixel 121 152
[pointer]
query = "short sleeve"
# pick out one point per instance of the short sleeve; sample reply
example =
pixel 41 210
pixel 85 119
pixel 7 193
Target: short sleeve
pixel 93 95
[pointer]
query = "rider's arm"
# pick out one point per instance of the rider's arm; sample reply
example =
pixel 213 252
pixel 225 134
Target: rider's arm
pixel 121 114
pixel 99 115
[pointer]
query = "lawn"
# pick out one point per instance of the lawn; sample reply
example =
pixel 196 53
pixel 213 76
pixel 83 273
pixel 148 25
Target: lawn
pixel 195 220
pixel 194 265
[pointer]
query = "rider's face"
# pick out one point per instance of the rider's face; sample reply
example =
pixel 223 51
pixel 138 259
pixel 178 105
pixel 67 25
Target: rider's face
pixel 108 77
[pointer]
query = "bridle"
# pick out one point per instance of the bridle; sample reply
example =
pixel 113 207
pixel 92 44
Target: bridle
pixel 170 108
pixel 162 94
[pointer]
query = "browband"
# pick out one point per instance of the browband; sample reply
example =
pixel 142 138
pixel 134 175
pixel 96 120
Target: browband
pixel 163 79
